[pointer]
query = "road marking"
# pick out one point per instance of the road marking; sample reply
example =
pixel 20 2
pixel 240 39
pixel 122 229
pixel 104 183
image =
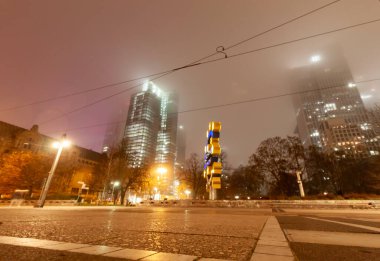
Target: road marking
pixel 334 238
pixel 348 224
pixel 272 244
pixel 124 253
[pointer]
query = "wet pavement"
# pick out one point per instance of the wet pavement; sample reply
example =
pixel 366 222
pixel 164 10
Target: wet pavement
pixel 207 232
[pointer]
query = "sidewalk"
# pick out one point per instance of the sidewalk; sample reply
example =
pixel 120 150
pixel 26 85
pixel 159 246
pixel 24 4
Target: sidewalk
pixel 272 244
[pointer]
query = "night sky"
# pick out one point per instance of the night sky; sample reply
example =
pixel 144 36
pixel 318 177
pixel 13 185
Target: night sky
pixel 52 48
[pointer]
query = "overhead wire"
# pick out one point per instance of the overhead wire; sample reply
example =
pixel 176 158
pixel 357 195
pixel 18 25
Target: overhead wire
pixel 95 102
pixel 216 60
pixel 170 70
pixel 229 104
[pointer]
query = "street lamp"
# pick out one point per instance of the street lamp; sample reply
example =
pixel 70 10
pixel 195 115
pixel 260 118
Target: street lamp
pixel 83 185
pixel 187 192
pixel 162 170
pixel 156 195
pixel 115 184
pixel 63 143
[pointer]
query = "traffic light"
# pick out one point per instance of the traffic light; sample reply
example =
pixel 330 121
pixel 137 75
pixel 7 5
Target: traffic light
pixel 213 165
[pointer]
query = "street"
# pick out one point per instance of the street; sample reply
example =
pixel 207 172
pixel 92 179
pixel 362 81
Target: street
pixel 197 233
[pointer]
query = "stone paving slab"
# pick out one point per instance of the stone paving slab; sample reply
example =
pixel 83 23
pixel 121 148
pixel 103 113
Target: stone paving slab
pixel 267 242
pixel 211 259
pixel 64 246
pixel 266 257
pixel 272 244
pixel 38 243
pixel 96 250
pixel 169 257
pixel 100 250
pixel 274 250
pixel 133 254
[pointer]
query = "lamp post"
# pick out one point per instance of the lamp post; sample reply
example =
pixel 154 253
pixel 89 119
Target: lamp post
pixel 162 182
pixel 59 145
pixel 115 184
pixel 83 185
pixel 187 192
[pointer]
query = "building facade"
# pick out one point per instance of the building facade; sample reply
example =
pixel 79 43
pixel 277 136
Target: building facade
pixel 330 112
pixel 81 160
pixel 151 132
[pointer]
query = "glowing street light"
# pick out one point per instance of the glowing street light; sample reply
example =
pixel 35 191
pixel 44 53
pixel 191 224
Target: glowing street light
pixel 63 143
pixel 187 192
pixel 162 170
pixel 315 58
pixel 351 85
pixel 115 184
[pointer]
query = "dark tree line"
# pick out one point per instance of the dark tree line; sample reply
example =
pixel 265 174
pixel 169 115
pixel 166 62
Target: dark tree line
pixel 271 171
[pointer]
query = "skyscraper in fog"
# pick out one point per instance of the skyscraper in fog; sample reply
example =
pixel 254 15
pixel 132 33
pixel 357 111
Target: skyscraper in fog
pixel 151 126
pixel 330 112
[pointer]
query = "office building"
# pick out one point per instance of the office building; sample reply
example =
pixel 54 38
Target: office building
pixel 330 112
pixel 151 128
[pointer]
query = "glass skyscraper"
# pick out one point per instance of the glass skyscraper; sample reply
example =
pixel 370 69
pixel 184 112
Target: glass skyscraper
pixel 330 112
pixel 151 127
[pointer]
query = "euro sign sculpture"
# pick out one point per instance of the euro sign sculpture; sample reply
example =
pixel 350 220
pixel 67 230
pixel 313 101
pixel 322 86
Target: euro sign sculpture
pixel 213 164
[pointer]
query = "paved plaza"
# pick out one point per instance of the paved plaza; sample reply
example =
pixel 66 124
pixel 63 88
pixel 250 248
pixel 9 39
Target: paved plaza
pixel 164 233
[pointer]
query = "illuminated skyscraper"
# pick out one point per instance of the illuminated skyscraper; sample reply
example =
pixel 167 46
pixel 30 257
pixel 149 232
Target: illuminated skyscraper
pixel 151 127
pixel 330 112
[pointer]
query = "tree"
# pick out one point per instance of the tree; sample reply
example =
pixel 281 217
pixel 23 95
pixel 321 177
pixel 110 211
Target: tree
pixel 278 159
pixel 123 170
pixel 331 172
pixel 245 181
pixel 193 176
pixel 23 170
pixel 371 175
pixel 99 174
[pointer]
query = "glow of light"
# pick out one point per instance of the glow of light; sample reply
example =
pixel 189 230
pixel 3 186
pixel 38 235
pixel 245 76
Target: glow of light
pixel 162 170
pixel 351 85
pixel 181 127
pixel 315 134
pixel 236 197
pixel 66 143
pixel 187 192
pixel 116 183
pixel 367 96
pixel 315 58
pixel 248 197
pixel 145 86
pixel 157 196
pixel 56 144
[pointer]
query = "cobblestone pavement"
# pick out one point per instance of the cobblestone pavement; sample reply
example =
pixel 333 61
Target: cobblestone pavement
pixel 208 232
